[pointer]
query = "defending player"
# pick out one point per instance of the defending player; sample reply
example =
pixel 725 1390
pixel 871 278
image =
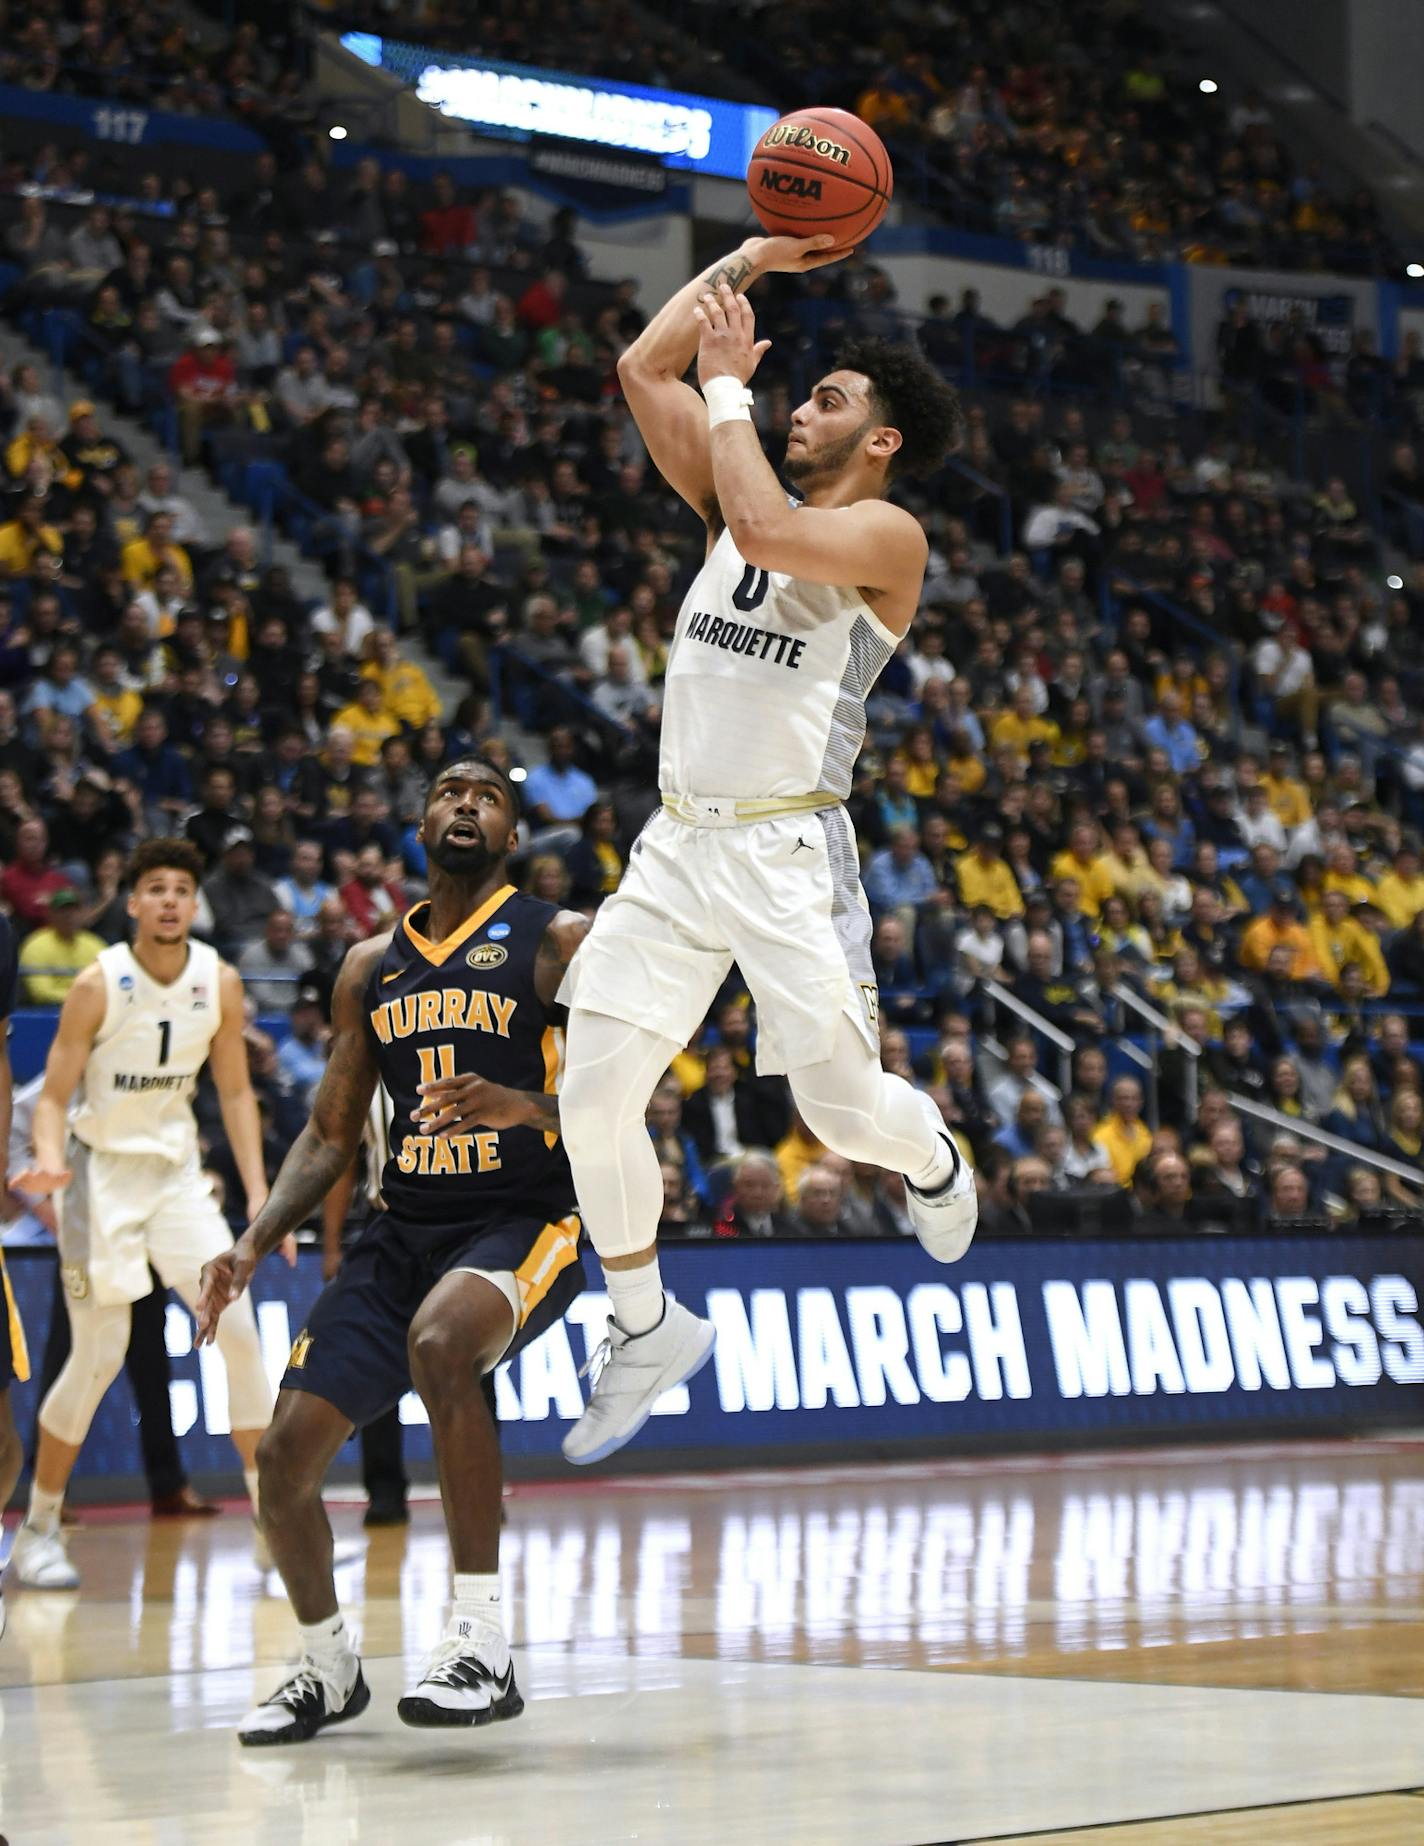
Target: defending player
pixel 136 1029
pixel 475 1254
pixel 752 857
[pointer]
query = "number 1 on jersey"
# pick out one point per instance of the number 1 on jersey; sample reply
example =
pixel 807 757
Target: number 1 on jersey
pixel 165 1039
pixel 428 1055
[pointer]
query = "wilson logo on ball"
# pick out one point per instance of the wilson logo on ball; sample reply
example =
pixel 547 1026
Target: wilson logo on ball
pixel 790 184
pixel 794 134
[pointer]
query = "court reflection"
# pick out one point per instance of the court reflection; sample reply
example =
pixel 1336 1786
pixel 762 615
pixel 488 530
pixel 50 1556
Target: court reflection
pixel 1060 1570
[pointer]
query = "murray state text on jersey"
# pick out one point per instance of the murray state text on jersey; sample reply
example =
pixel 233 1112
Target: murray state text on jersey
pixel 467 1005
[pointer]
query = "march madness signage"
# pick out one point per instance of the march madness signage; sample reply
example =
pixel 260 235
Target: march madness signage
pixel 829 1344
pixel 1329 318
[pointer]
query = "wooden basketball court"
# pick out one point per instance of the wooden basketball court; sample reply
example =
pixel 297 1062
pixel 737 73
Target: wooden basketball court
pixel 1207 1644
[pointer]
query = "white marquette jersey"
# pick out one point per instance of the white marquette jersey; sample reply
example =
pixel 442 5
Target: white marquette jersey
pixel 143 1070
pixel 766 683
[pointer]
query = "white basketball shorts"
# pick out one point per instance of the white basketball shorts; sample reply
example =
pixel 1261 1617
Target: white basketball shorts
pixel 121 1212
pixel 781 898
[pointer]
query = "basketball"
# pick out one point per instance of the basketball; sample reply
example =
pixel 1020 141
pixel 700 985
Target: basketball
pixel 820 170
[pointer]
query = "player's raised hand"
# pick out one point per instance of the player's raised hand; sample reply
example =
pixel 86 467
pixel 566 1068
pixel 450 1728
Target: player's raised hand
pixel 42 1181
pixel 455 1105
pixel 222 1281
pixel 727 346
pixel 792 255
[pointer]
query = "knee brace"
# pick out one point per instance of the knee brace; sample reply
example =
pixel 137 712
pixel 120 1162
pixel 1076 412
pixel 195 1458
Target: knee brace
pixel 99 1339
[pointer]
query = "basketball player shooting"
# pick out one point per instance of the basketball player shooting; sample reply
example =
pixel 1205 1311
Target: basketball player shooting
pixel 135 1030
pixel 752 857
pixel 474 1255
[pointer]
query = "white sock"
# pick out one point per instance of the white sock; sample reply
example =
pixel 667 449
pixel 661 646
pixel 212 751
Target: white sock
pixel 636 1296
pixel 249 1476
pixel 475 1615
pixel 43 1515
pixel 329 1644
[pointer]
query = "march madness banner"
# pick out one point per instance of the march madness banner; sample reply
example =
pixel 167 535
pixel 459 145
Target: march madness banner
pixel 823 1345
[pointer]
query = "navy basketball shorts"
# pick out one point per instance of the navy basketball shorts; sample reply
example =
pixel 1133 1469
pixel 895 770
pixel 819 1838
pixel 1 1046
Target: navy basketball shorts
pixel 352 1351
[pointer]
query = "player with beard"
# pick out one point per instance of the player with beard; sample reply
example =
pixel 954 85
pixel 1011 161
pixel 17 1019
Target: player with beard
pixel 473 1256
pixel 752 857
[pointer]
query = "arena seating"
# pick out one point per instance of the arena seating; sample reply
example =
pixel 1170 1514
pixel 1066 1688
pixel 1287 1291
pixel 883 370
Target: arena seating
pixel 1152 751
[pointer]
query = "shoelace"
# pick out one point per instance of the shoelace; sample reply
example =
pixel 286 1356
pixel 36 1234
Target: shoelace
pixel 449 1657
pixel 597 1364
pixel 305 1683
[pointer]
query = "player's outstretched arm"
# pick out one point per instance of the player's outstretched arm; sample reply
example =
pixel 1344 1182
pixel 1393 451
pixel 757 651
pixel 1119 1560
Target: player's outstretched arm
pixel 869 545
pixel 321 1152
pixel 455 1105
pixel 670 415
pixel 79 1021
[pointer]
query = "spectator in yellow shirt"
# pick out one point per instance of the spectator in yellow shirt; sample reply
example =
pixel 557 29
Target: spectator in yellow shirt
pixel 921 778
pixel 1279 928
pixel 1122 1134
pixel 1400 893
pixel 984 876
pixel 1285 796
pixel 141 558
pixel 1082 861
pixel 965 763
pixel 1021 725
pixel 119 703
pixel 1128 865
pixel 25 536
pixel 1338 938
pixel 61 949
pixel 406 692
pixel 368 722
pixel 36 442
pixel 1342 873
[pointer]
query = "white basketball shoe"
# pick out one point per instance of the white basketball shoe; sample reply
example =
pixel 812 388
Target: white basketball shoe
pixel 463 1684
pixel 314 1697
pixel 945 1219
pixel 630 1374
pixel 40 1560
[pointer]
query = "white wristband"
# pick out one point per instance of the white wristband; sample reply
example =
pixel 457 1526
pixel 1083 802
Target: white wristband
pixel 728 401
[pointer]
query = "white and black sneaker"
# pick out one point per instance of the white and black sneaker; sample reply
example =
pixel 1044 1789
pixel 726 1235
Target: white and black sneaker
pixel 458 1688
pixel 304 1705
pixel 945 1219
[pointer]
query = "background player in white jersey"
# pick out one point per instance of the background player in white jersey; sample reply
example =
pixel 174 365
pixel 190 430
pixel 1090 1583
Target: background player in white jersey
pixel 136 1029
pixel 752 858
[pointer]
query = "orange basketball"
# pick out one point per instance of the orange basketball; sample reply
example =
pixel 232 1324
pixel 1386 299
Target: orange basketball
pixel 820 170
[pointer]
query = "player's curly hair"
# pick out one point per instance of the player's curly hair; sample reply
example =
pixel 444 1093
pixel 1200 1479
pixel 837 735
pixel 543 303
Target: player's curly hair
pixel 166 856
pixel 911 395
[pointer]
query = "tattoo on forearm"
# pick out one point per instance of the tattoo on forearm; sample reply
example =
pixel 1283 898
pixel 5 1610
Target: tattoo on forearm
pixel 734 272
pixel 546 1109
pixel 308 1173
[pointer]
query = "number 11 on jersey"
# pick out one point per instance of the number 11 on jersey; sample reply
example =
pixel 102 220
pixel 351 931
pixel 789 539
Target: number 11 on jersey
pixel 429 1055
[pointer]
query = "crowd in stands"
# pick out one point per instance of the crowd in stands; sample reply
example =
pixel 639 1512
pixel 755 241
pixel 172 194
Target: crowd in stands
pixel 151 53
pixel 1168 740
pixel 1097 138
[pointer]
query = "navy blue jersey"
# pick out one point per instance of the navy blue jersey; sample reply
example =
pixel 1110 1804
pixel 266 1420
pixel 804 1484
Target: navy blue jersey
pixel 445 1009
